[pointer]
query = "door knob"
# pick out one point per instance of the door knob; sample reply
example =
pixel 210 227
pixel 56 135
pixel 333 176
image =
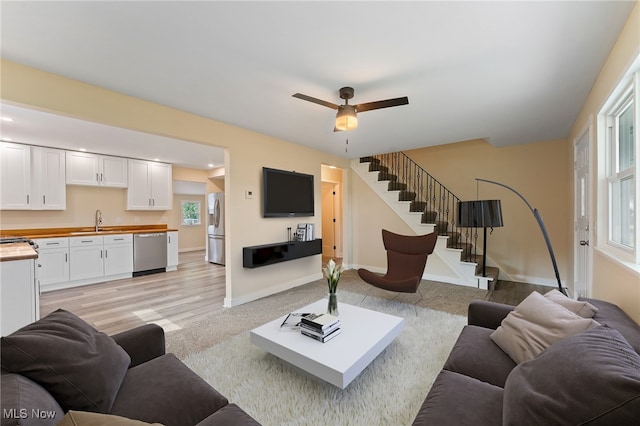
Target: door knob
pixel 584 243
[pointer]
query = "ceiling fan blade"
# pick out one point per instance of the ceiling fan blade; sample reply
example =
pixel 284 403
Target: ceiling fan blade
pixel 315 100
pixel 368 106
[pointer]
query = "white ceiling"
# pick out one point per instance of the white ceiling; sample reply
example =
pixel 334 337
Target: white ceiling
pixel 512 72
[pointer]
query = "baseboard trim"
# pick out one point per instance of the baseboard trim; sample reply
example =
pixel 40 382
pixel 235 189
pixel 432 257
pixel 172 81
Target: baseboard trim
pixel 241 300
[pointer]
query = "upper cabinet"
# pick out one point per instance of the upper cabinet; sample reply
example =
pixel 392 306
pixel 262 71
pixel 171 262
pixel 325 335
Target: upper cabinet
pixel 31 178
pixel 149 186
pixel 96 170
pixel 48 179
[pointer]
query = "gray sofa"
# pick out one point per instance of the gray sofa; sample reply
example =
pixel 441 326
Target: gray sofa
pixel 591 377
pixel 60 366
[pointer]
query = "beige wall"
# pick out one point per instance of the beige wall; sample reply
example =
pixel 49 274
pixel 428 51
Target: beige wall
pixel 82 203
pixel 538 171
pixel 246 153
pixel 370 214
pixel 611 280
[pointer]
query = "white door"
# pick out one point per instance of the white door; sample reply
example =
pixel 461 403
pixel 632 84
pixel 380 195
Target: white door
pixel 582 273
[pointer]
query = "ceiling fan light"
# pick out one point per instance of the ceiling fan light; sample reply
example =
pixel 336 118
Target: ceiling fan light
pixel 346 118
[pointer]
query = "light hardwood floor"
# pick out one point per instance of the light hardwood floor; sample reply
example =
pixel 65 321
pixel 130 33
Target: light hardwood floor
pixel 175 298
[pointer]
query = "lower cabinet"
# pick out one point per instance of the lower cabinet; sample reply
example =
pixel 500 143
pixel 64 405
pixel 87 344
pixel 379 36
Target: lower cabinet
pixel 53 261
pixel 19 304
pixel 86 258
pixel 172 250
pixel 118 254
pixel 74 261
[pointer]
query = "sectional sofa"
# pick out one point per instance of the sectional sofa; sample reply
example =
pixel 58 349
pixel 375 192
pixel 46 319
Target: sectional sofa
pixel 60 369
pixel 540 363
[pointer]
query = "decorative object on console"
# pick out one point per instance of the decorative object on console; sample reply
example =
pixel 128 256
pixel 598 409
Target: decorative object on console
pixel 332 274
pixel 480 214
pixel 536 214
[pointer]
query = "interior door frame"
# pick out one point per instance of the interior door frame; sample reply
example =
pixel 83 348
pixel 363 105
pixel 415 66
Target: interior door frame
pixel 587 133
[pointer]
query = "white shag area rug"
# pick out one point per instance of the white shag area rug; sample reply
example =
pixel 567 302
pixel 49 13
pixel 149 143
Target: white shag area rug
pixel 389 391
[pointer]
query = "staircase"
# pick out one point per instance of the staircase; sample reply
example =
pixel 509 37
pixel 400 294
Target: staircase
pixel 426 206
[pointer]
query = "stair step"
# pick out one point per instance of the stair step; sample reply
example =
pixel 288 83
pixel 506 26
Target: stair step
pixel 492 273
pixel 442 227
pixel 384 175
pixel 418 206
pixel 369 160
pixel 465 247
pixel 454 237
pixel 406 196
pixel 396 186
pixel 377 167
pixel 429 216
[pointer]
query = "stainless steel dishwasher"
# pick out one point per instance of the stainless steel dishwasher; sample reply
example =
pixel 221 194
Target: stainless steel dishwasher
pixel 149 253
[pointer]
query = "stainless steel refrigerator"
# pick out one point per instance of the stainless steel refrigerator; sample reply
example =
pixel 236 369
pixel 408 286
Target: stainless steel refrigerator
pixel 215 229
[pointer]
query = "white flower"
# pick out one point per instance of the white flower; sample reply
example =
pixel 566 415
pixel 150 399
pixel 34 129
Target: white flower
pixel 333 275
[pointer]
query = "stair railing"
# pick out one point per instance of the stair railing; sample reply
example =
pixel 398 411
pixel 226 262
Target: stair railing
pixel 431 195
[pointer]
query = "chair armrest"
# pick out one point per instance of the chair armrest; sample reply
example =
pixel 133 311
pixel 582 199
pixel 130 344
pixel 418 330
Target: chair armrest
pixel 487 314
pixel 142 343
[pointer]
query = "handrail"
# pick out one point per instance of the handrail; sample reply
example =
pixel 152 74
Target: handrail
pixel 430 196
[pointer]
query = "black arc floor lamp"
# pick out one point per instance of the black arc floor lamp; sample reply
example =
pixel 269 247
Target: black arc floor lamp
pixel 480 214
pixel 536 214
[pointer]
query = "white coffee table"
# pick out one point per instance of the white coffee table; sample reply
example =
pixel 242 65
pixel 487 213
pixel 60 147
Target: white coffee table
pixel 365 333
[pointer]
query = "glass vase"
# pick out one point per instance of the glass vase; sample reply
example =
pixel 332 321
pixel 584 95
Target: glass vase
pixel 332 305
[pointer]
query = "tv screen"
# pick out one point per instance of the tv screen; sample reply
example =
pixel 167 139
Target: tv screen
pixel 286 194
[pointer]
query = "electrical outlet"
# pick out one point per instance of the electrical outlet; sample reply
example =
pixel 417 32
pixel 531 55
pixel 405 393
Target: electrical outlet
pixel 136 219
pixel 248 194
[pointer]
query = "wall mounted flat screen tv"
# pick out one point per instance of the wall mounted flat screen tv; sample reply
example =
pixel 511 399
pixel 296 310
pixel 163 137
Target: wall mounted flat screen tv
pixel 286 194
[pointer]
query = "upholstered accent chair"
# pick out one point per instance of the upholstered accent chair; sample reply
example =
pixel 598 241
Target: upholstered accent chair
pixel 406 260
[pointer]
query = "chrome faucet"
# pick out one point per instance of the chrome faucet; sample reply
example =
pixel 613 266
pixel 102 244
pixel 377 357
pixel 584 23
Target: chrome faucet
pixel 98 220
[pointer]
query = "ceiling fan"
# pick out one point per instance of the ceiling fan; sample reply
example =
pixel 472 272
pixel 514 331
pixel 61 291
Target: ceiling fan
pixel 346 118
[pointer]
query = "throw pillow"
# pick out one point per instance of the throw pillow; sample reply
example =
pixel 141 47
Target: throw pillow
pixel 83 418
pixel 578 307
pixel 590 378
pixel 536 324
pixel 79 366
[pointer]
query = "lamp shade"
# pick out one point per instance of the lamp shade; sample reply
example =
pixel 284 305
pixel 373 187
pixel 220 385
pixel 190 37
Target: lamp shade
pixel 479 214
pixel 346 118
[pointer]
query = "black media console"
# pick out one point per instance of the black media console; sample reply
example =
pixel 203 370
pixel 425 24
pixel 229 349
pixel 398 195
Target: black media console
pixel 268 254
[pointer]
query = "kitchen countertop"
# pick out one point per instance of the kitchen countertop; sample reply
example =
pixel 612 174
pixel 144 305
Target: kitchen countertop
pixel 84 231
pixel 17 251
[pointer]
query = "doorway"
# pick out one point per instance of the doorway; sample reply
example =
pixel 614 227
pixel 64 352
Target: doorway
pixel 331 213
pixel 582 193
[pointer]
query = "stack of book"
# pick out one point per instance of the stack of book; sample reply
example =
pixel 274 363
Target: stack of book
pixel 322 327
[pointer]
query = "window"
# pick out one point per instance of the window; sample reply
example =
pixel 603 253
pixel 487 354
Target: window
pixel 620 120
pixel 191 212
pixel 621 175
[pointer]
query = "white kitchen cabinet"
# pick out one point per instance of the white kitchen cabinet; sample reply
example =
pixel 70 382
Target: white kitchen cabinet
pixel 118 254
pixel 150 186
pixel 172 250
pixel 20 302
pixel 53 261
pixel 84 168
pixel 33 178
pixel 48 182
pixel 86 258
pixel 15 176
